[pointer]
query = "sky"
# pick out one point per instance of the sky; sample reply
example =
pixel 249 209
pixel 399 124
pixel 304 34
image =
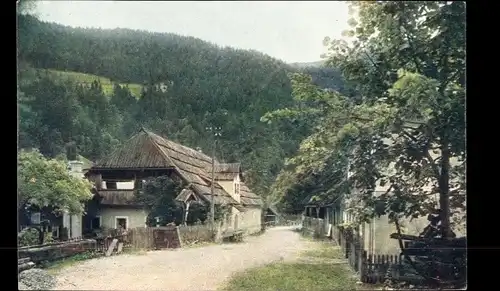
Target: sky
pixel 292 31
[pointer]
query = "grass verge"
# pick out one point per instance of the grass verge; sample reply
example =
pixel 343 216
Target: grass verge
pixel 293 276
pixel 316 274
pixel 56 266
pixel 69 261
pixel 325 250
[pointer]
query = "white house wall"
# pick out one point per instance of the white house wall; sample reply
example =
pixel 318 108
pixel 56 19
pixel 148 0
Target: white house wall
pixel 250 220
pixel 379 230
pixel 123 185
pixel 136 217
pixel 76 226
pixel 73 223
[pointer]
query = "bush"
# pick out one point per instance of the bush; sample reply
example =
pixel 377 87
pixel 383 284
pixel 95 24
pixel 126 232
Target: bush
pixel 28 237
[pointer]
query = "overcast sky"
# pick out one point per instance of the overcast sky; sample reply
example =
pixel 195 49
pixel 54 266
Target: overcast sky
pixel 292 31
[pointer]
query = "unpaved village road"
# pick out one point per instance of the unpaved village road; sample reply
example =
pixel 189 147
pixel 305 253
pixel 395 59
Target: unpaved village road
pixel 202 268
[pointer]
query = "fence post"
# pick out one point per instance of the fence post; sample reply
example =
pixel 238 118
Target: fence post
pixel 178 234
pixel 361 244
pixel 362 271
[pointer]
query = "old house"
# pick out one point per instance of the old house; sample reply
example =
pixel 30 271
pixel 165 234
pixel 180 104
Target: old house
pixel 119 176
pixel 247 213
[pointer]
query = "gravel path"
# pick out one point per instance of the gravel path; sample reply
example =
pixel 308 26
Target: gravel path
pixel 203 268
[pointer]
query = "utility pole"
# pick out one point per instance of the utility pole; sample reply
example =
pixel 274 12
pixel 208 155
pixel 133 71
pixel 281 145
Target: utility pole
pixel 216 132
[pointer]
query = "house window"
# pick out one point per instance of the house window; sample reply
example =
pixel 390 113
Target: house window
pixel 111 185
pixel 322 213
pixel 35 218
pixel 121 221
pixel 95 223
pixel 237 188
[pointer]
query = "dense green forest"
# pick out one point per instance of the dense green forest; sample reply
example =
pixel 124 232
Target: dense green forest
pixel 187 85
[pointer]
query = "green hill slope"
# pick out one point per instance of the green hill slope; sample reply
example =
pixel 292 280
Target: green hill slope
pixel 107 85
pixel 29 75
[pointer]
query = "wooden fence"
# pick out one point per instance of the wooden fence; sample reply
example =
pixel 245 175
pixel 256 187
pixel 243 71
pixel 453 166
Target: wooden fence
pixel 191 234
pixel 376 267
pixel 371 268
pixel 153 238
pixel 140 238
pixel 350 245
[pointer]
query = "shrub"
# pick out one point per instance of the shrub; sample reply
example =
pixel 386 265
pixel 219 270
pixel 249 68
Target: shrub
pixel 28 237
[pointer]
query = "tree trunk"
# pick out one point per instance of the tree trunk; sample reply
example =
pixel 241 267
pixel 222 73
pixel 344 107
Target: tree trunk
pixel 186 213
pixel 444 190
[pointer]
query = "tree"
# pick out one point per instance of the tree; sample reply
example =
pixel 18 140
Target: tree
pixel 26 6
pixel 408 59
pixel 47 183
pixel 158 195
pixel 318 167
pixel 406 127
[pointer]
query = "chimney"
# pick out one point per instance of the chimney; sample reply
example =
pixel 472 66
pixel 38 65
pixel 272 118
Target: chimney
pixel 76 168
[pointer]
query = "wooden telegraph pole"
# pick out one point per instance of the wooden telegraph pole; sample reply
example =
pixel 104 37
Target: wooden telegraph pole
pixel 217 133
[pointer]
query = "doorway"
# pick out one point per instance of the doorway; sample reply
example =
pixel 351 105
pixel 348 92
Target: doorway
pixel 121 222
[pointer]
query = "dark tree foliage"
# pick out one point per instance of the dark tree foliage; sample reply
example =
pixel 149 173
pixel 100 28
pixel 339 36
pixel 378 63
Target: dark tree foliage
pixel 158 196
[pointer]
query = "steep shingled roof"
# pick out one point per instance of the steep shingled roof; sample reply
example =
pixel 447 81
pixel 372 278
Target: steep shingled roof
pixel 247 197
pixel 149 150
pixel 226 171
pixel 228 168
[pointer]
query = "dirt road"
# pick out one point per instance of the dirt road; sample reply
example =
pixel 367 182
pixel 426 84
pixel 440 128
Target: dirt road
pixel 203 268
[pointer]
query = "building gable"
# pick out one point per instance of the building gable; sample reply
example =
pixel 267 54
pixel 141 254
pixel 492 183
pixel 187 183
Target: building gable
pixel 137 152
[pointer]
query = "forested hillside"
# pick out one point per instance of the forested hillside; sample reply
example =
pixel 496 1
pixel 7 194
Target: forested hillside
pixel 187 86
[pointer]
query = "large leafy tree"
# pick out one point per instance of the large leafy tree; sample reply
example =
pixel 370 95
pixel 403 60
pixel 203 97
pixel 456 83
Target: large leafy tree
pixel 311 170
pixel 158 196
pixel 406 127
pixel 409 61
pixel 46 182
